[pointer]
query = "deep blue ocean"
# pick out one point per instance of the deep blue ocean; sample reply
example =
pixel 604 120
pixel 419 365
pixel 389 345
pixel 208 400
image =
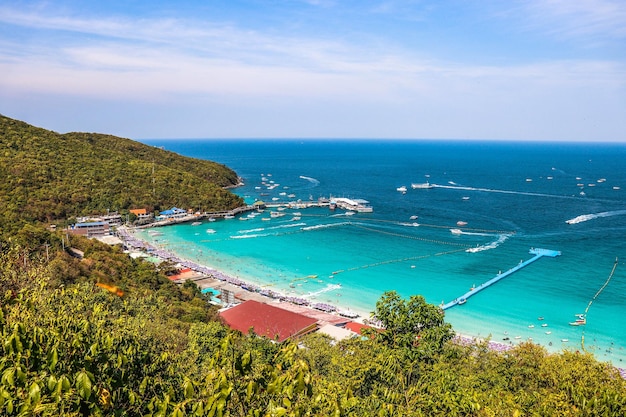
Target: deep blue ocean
pixel 508 197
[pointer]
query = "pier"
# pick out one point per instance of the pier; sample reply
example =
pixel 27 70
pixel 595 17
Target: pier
pixel 539 253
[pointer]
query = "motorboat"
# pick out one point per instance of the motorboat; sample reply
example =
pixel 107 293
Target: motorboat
pixel 580 321
pixel 422 185
pixel 401 189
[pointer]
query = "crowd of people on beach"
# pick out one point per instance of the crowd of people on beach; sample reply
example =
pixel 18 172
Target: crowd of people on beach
pixel 132 242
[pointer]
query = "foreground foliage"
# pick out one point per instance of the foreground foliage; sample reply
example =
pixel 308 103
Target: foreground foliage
pixel 81 350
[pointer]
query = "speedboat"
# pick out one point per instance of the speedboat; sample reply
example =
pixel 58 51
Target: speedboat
pixel 580 321
pixel 422 185
pixel 401 189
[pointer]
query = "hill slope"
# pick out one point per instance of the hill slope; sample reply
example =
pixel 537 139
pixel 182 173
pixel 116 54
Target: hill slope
pixel 47 176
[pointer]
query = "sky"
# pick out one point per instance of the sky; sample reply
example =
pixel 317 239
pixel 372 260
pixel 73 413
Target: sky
pixel 536 70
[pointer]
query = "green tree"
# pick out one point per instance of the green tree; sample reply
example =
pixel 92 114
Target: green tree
pixel 412 324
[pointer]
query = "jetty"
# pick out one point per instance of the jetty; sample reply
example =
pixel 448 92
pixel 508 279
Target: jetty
pixel 538 252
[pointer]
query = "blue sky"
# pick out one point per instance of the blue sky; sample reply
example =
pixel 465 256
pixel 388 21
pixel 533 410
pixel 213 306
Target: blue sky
pixel 517 70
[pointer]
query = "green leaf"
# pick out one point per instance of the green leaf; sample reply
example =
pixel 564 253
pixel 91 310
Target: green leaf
pixel 53 358
pixel 188 389
pixel 83 385
pixel 34 393
pixel 52 383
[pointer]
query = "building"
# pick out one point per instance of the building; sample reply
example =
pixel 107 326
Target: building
pixel 91 229
pixel 173 213
pixel 269 321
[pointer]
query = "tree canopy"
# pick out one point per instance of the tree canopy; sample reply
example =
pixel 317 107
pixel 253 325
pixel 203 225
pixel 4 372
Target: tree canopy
pixel 48 177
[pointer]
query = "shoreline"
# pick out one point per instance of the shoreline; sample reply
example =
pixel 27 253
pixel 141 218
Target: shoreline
pixel 243 290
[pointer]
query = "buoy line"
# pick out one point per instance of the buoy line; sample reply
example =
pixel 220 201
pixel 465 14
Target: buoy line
pixel 440 242
pixel 411 258
pixel 582 340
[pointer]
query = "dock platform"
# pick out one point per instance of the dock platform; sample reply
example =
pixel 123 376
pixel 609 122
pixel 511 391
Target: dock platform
pixel 538 252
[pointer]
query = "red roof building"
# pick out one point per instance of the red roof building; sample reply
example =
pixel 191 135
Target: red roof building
pixel 269 321
pixel 356 327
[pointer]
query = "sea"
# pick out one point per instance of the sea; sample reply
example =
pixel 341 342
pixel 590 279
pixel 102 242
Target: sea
pixel 447 217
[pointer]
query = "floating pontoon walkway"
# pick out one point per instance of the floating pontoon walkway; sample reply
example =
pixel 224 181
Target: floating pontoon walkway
pixel 535 251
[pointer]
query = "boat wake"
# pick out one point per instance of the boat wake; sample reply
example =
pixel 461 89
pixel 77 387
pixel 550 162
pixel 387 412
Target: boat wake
pixel 329 287
pixel 414 224
pixel 251 236
pixel 500 240
pixel 260 229
pixel 313 181
pixel 586 217
pixel 287 226
pixel 492 190
pixel 461 232
pixel 325 226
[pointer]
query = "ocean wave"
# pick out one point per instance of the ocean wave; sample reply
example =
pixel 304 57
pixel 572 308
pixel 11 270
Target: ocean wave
pixel 410 224
pixel 501 239
pixel 587 217
pixel 286 226
pixel 329 287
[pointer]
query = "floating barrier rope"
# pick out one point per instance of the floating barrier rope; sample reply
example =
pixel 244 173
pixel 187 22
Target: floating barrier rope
pixel 582 341
pixel 440 242
pixel 412 258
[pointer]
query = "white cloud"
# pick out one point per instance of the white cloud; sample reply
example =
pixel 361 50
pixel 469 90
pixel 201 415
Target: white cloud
pixel 367 90
pixel 580 18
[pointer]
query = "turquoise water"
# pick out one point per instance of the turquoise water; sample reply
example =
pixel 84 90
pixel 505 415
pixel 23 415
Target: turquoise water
pixel 513 196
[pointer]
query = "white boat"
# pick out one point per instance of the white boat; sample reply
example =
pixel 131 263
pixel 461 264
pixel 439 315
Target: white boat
pixel 276 214
pixel 349 213
pixel 401 189
pixel 616 188
pixel 465 198
pixel 196 223
pixel 211 219
pixel 210 230
pixel 461 223
pixel 229 217
pixel 456 231
pixel 422 185
pixel 413 218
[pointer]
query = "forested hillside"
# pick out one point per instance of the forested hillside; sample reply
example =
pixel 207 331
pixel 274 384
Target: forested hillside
pixel 108 335
pixel 48 176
